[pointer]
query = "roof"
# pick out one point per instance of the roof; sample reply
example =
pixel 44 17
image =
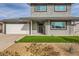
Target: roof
pixel 16 20
pixel 27 19
pixel 50 3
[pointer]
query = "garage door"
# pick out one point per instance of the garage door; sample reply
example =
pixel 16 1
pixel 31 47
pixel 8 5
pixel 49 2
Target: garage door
pixel 17 28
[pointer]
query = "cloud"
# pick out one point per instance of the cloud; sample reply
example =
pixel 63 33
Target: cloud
pixel 75 9
pixel 14 10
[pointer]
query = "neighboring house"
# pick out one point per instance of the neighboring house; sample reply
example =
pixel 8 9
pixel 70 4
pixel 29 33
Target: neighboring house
pixel 46 18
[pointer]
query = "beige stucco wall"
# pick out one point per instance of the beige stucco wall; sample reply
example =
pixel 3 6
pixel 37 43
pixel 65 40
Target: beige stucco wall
pixel 50 12
pixel 58 32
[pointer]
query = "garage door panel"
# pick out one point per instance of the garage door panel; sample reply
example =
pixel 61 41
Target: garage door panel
pixel 17 28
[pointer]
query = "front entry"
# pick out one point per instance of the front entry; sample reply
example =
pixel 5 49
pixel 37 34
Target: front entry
pixel 1 28
pixel 41 28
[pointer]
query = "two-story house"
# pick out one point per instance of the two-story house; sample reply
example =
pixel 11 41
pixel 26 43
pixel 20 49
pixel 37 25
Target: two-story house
pixel 46 18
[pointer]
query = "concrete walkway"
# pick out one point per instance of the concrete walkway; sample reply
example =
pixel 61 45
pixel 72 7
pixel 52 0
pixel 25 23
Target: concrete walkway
pixel 8 40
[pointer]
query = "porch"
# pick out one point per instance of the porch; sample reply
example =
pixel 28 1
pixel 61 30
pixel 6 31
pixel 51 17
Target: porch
pixel 37 28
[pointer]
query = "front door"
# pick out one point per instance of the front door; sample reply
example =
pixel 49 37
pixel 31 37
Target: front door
pixel 1 28
pixel 41 28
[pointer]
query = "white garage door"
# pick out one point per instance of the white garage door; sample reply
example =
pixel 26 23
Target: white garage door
pixel 17 28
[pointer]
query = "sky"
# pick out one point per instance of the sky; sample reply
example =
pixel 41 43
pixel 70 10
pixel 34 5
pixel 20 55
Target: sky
pixel 75 9
pixel 14 10
pixel 17 10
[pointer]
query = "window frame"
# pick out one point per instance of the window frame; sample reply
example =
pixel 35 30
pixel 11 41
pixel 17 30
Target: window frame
pixel 60 5
pixel 40 5
pixel 65 28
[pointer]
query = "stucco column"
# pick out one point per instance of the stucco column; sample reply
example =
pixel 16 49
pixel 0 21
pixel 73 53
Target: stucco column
pixel 31 28
pixel 73 28
pixel 47 27
pixel 3 30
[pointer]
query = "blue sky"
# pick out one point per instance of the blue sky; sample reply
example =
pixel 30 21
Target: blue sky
pixel 75 9
pixel 16 10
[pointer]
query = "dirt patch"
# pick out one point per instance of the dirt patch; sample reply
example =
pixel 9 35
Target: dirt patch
pixel 42 49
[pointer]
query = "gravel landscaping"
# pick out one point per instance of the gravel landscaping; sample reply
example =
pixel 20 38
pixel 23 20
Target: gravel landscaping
pixel 42 49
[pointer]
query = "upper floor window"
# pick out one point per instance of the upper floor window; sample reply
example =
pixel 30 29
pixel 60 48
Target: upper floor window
pixel 40 8
pixel 60 8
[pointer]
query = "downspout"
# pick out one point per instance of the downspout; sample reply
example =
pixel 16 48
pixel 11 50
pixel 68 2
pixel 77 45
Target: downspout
pixel 31 27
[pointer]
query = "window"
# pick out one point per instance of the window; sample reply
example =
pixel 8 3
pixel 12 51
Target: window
pixel 60 8
pixel 41 8
pixel 58 25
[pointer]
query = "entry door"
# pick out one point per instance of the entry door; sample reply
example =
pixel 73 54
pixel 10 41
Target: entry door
pixel 1 28
pixel 41 28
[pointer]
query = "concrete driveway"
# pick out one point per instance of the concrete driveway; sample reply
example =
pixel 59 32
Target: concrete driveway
pixel 8 40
